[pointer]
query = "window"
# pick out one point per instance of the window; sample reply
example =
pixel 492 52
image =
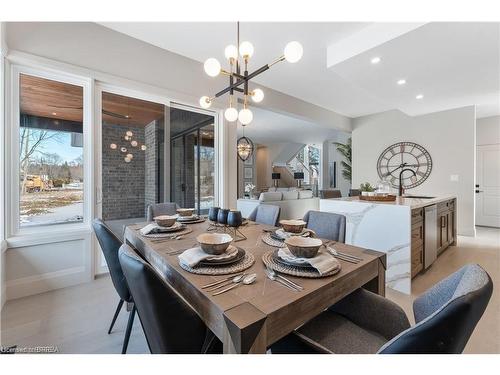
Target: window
pixel 50 152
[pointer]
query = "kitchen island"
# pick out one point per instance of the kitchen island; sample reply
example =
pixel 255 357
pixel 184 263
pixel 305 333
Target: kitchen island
pixel 411 231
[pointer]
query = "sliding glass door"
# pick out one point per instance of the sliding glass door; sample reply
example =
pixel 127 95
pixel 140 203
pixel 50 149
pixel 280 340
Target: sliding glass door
pixel 192 159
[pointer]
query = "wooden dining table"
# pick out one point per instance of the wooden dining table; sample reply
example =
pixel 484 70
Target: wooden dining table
pixel 249 318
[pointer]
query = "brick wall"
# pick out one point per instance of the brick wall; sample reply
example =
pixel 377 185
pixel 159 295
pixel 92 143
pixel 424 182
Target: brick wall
pixel 151 166
pixel 123 184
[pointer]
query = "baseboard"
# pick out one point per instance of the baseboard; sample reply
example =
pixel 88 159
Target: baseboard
pixel 37 284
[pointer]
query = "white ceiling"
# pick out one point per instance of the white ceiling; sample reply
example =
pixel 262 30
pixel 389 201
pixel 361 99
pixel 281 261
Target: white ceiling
pixel 271 127
pixel 452 64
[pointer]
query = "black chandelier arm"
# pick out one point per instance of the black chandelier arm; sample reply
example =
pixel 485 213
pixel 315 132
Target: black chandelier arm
pixel 242 80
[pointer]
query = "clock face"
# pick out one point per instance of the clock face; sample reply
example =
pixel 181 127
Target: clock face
pixel 404 155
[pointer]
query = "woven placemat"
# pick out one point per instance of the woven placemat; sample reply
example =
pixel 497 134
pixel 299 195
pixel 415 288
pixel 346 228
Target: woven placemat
pixel 266 238
pixel 181 232
pixel 200 220
pixel 247 262
pixel 311 273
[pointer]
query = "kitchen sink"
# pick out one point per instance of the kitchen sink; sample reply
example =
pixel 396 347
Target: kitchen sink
pixel 418 197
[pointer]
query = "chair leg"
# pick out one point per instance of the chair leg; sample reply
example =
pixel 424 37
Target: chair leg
pixel 118 309
pixel 129 329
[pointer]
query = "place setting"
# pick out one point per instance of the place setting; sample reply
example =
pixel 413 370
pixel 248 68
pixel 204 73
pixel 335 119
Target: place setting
pixel 214 254
pixel 187 216
pixel 165 227
pixel 301 257
pixel 289 228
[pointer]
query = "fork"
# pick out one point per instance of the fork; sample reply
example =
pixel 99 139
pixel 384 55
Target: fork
pixel 274 273
pixel 274 278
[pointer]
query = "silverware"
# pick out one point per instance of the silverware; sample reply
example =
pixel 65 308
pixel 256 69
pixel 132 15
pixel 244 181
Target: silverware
pixel 247 280
pixel 219 281
pixel 339 253
pixel 274 273
pixel 334 253
pixel 234 280
pixel 274 278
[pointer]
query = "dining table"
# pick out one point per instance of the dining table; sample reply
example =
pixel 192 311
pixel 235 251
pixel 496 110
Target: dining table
pixel 250 318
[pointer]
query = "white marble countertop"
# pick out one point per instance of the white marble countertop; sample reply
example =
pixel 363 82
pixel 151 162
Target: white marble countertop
pixel 401 201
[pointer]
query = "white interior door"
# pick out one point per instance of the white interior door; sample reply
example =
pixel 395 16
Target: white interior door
pixel 488 185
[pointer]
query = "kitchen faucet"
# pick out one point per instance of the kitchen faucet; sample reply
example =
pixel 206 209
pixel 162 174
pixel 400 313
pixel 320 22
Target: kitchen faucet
pixel 400 179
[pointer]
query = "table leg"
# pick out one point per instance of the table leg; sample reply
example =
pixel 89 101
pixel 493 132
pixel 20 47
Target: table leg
pixel 377 285
pixel 244 330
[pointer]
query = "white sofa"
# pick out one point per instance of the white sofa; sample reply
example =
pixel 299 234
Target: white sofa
pixel 294 203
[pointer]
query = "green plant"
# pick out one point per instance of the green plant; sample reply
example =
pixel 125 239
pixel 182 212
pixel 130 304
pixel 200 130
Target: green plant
pixel 346 151
pixel 366 187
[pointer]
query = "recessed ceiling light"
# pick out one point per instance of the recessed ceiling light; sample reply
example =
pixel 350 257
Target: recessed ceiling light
pixel 401 81
pixel 419 96
pixel 375 60
pixel 54 113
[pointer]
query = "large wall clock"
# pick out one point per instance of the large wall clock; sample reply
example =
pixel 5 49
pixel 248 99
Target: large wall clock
pixel 404 155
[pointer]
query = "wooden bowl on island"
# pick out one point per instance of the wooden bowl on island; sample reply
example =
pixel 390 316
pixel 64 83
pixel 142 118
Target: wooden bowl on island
pixel 303 247
pixel 293 226
pixel 165 220
pixel 214 243
pixel 185 211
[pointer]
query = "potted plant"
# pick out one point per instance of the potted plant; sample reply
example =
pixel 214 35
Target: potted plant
pixel 366 189
pixel 249 187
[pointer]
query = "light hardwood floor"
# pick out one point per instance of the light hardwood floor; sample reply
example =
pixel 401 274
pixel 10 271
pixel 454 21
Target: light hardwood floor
pixel 76 319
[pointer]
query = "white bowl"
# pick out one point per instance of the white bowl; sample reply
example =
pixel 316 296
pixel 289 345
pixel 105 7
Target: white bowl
pixel 214 243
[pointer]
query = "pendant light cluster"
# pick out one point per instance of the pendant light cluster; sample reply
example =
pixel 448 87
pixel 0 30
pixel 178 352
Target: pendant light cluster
pixel 238 58
pixel 123 149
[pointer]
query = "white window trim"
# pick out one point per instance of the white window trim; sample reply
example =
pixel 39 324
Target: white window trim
pixel 12 152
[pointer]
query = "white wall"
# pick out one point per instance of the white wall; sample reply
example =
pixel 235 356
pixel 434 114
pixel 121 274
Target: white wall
pixel 449 136
pixel 488 130
pixel 330 154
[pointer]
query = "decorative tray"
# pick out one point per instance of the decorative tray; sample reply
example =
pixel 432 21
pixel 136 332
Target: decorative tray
pixel 381 198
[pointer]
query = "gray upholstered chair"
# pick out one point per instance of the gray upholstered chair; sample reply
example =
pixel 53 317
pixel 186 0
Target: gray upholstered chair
pixel 330 193
pixel 168 208
pixel 364 322
pixel 265 214
pixel 327 225
pixel 354 192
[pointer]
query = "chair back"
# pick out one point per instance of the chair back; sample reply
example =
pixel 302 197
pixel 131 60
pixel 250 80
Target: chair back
pixel 328 194
pixel 446 314
pixel 327 225
pixel 168 208
pixel 267 214
pixel 354 192
pixel 110 244
pixel 169 324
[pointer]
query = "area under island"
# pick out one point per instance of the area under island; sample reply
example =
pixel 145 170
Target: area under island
pixel 411 231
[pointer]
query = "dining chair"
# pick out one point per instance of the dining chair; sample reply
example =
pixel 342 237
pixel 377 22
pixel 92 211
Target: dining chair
pixel 364 322
pixel 354 192
pixel 168 322
pixel 330 193
pixel 327 225
pixel 110 244
pixel 267 214
pixel 157 209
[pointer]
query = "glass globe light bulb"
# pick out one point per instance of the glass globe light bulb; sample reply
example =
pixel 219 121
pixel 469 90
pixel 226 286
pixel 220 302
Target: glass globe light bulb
pixel 246 49
pixel 231 114
pixel 293 52
pixel 205 102
pixel 129 133
pixel 134 143
pixel 143 147
pixel 123 149
pixel 130 156
pixel 113 146
pixel 231 52
pixel 127 160
pixel 212 67
pixel 245 116
pixel 258 95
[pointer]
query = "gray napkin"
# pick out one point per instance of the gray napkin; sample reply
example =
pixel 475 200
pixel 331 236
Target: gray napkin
pixel 323 262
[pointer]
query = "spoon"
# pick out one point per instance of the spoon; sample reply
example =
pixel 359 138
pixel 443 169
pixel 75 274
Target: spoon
pixel 234 280
pixel 247 280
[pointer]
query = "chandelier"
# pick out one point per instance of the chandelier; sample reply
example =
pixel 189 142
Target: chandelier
pixel 238 58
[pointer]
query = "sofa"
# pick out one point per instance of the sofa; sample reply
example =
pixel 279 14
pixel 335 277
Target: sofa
pixel 294 203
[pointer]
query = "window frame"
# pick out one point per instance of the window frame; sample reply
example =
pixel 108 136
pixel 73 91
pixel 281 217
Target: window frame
pixel 12 152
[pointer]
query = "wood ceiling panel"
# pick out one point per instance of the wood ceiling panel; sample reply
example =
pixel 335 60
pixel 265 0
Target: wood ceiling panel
pixel 46 98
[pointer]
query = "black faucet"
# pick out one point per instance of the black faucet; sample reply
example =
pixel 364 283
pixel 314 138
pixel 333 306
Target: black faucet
pixel 400 179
